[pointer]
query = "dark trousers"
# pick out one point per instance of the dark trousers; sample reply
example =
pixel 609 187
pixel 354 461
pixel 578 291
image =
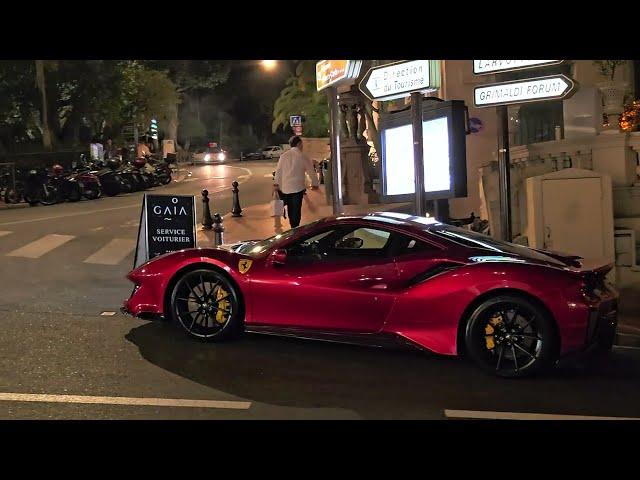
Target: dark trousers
pixel 293 202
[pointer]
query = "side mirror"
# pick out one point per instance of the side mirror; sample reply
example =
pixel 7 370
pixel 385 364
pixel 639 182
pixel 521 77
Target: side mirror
pixel 279 257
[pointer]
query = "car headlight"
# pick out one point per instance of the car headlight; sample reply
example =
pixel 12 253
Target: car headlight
pixel 221 156
pixel 207 157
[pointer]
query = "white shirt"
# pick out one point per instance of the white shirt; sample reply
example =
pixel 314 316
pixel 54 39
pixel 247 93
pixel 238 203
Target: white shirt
pixel 97 151
pixel 292 165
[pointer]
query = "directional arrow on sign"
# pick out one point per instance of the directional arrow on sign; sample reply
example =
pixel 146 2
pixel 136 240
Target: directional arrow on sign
pixel 397 80
pixel 553 87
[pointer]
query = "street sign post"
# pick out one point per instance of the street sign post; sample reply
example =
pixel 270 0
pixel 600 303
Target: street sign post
pixel 401 79
pixel 296 124
pixel 485 67
pixel 553 87
pixel 503 94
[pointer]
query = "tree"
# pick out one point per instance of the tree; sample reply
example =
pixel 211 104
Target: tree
pixel 193 79
pixel 300 97
pixel 40 79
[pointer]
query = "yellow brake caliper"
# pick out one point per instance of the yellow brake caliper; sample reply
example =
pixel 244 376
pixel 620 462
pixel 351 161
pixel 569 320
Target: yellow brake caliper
pixel 489 329
pixel 222 305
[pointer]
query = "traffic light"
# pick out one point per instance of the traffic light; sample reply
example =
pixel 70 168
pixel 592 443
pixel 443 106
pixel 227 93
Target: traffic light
pixel 154 129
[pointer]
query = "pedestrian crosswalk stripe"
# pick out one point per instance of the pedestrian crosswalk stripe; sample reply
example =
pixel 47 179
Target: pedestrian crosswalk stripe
pixel 113 252
pixel 4 232
pixel 41 246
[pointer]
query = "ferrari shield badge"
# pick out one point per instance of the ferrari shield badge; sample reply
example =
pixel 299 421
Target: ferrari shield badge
pixel 244 265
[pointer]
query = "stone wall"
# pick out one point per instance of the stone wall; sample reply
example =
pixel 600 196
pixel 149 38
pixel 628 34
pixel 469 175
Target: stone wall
pixel 317 148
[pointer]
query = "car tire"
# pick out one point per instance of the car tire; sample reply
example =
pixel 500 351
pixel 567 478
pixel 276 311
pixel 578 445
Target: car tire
pixel 207 306
pixel 511 336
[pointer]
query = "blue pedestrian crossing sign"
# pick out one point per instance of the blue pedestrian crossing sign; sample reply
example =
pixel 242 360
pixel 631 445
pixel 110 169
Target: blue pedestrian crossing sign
pixel 295 120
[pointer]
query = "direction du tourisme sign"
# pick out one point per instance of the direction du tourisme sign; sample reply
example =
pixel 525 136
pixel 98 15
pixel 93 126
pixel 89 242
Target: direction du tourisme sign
pixel 397 80
pixel 167 224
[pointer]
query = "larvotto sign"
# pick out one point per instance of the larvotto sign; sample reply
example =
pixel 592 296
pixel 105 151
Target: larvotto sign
pixel 554 87
pixel 483 67
pixel 167 224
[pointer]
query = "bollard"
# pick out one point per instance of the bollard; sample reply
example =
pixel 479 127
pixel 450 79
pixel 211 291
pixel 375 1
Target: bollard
pixel 207 221
pixel 236 211
pixel 321 173
pixel 218 230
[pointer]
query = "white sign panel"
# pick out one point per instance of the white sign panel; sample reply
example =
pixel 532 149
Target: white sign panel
pixel 481 67
pixel 397 80
pixel 400 169
pixel 554 87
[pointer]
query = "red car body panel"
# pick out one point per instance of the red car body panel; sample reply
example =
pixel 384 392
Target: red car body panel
pixel 381 295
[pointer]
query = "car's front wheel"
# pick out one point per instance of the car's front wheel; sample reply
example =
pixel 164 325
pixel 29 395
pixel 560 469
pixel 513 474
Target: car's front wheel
pixel 511 336
pixel 206 305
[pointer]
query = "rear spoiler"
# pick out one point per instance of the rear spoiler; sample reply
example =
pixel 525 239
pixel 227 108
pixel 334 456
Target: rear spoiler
pixel 571 260
pixel 593 267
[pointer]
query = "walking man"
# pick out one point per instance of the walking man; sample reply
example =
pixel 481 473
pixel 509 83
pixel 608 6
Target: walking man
pixel 290 179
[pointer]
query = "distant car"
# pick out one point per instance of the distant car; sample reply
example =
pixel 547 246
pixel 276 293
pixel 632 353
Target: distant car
pixel 257 155
pixel 273 151
pixel 209 155
pixel 388 279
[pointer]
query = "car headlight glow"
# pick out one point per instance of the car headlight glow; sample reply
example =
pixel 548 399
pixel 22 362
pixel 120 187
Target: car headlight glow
pixel 207 157
pixel 221 156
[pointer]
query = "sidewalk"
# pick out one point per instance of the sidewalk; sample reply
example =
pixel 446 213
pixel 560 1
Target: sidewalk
pixel 11 206
pixel 629 312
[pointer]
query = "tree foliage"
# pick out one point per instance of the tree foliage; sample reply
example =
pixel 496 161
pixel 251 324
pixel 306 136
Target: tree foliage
pixel 300 97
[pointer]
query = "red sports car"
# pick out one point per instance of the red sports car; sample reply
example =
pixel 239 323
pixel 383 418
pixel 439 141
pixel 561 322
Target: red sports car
pixel 388 278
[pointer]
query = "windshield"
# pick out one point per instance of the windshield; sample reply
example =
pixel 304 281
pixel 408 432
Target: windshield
pixel 257 248
pixel 478 240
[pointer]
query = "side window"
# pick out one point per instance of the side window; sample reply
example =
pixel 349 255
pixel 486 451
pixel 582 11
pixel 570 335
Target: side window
pixel 405 245
pixel 311 248
pixel 340 243
pixel 366 241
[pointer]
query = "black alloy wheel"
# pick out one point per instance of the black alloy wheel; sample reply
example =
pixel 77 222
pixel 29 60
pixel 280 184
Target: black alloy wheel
pixel 206 305
pixel 510 336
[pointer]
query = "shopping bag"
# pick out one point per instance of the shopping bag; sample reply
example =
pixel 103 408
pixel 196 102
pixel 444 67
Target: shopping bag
pixel 277 206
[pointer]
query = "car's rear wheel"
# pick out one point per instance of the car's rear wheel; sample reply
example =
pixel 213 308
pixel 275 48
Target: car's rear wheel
pixel 511 336
pixel 206 305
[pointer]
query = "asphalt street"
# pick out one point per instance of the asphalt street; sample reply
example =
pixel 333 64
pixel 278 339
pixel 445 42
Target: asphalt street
pixel 62 267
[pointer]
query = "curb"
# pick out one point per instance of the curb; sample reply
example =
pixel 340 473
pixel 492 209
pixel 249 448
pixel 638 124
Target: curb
pixel 11 206
pixel 627 340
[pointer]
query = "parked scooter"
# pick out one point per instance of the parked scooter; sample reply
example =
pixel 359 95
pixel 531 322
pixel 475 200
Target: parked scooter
pixel 113 181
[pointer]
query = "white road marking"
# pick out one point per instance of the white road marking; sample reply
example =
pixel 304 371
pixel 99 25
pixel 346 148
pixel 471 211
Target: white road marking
pixel 626 347
pixel 41 246
pixel 113 252
pixel 107 314
pixel 523 416
pixel 97 229
pixel 4 232
pixel 144 401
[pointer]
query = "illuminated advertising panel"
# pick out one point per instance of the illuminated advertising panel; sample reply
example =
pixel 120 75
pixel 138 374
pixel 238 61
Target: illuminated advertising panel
pixel 444 151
